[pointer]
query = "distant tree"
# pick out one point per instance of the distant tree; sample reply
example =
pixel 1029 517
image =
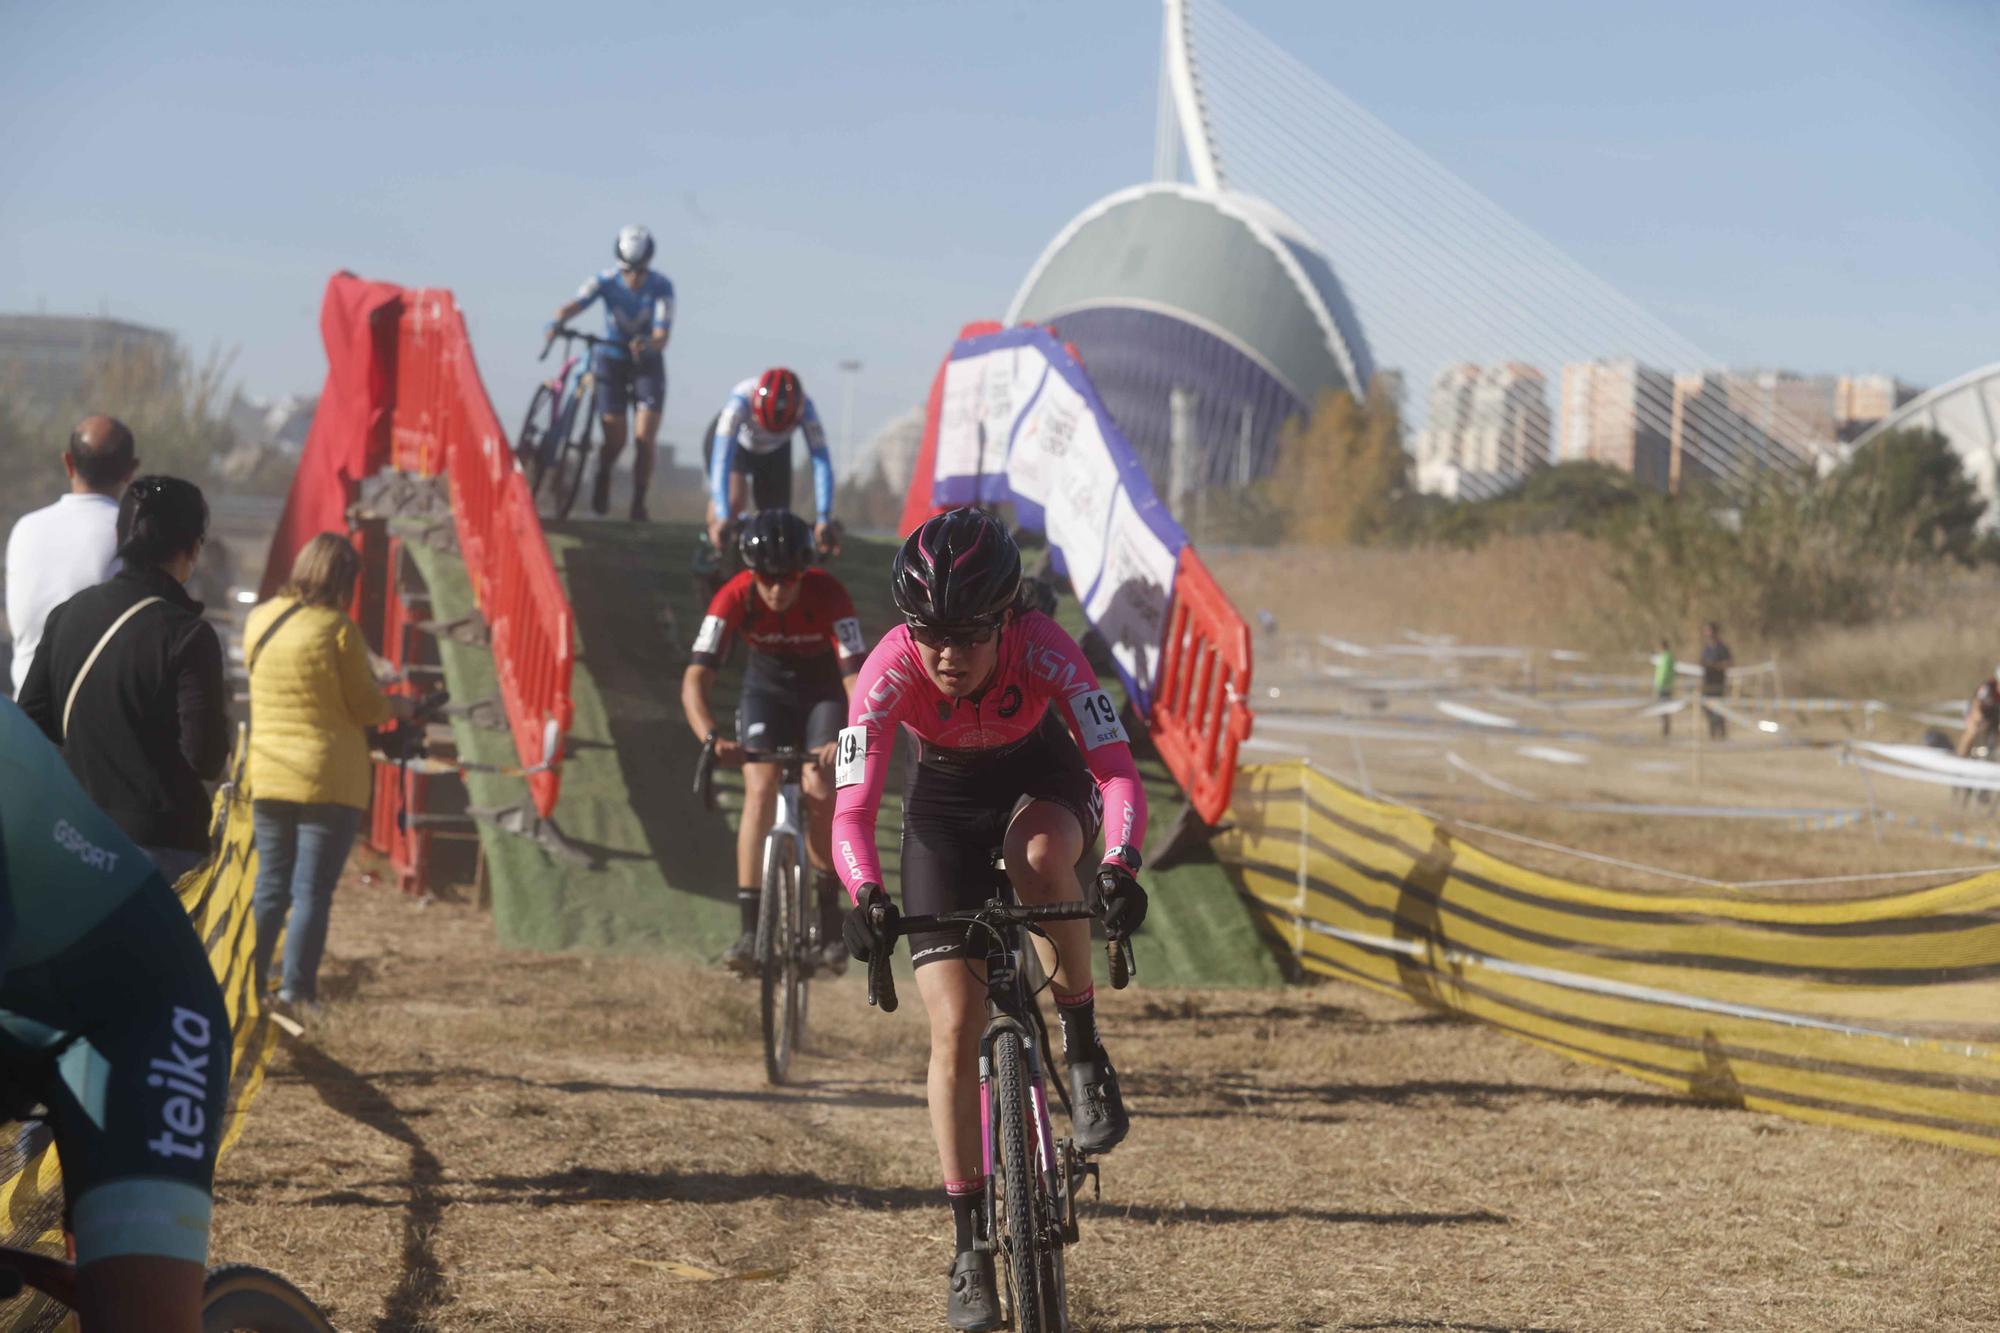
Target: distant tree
pixel 1341 472
pixel 1574 497
pixel 1907 495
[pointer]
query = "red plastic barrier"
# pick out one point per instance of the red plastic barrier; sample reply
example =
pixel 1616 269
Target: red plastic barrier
pixel 444 422
pixel 397 790
pixel 1201 709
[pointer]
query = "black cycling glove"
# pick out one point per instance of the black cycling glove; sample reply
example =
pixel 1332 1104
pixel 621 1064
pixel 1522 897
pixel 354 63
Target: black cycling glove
pixel 864 936
pixel 1120 899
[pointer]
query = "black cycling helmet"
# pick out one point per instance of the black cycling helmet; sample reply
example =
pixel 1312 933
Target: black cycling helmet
pixel 960 568
pixel 776 542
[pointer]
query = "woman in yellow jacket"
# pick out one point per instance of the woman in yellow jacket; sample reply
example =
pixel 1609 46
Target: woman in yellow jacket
pixel 312 698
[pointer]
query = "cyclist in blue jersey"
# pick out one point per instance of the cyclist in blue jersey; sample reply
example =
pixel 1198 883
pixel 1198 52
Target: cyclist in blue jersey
pixel 110 1016
pixel 750 456
pixel 638 315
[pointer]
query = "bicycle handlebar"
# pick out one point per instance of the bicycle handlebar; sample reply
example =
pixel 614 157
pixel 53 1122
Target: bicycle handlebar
pixel 564 331
pixel 882 985
pixel 704 767
pixel 786 756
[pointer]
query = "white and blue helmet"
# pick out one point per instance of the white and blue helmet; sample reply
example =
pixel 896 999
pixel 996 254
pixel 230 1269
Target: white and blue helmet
pixel 635 246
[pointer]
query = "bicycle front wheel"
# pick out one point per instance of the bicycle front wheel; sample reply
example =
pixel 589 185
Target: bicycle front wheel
pixel 575 457
pixel 779 982
pixel 1021 1208
pixel 242 1299
pixel 535 428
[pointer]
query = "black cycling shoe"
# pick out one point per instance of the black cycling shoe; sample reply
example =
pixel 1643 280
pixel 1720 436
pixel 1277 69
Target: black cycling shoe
pixel 741 957
pixel 974 1303
pixel 832 959
pixel 1097 1111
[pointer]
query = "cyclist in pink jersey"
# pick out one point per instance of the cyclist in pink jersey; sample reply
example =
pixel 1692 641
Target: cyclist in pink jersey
pixel 1018 748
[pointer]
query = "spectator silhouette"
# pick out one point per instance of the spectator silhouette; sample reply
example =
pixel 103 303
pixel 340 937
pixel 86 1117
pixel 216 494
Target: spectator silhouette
pixel 61 549
pixel 128 680
pixel 1715 664
pixel 312 699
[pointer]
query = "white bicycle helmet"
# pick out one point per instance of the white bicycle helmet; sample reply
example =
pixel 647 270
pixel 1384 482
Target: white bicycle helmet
pixel 635 246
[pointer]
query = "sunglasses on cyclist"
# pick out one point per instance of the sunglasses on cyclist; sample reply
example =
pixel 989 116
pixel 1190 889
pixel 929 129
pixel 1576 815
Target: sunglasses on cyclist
pixel 953 636
pixel 778 580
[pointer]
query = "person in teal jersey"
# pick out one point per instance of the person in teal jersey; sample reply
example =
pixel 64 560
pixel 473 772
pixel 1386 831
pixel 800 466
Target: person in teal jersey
pixel 111 1017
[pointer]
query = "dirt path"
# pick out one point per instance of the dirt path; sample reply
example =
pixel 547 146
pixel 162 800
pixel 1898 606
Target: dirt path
pixel 472 1139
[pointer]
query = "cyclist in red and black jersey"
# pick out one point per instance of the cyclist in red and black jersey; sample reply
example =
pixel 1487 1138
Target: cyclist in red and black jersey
pixel 805 648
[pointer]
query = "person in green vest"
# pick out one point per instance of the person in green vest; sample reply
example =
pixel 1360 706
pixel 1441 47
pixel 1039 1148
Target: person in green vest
pixel 1663 684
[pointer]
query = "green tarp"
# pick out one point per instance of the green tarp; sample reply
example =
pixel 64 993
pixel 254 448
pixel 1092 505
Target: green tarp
pixel 662 875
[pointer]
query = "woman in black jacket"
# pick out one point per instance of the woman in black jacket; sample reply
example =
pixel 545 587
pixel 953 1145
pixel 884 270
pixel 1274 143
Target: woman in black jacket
pixel 128 680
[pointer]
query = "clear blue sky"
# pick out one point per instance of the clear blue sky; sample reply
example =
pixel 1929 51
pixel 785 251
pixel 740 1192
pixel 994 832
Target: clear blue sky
pixel 1808 183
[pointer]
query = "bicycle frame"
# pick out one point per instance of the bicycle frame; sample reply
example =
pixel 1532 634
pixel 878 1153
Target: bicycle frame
pixel 1007 1001
pixel 789 819
pixel 571 395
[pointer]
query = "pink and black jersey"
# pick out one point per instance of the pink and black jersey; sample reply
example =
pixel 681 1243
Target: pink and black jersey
pixel 1039 666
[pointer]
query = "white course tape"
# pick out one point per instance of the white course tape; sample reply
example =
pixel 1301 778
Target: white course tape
pixel 1923 775
pixel 1551 755
pixel 1775 812
pixel 1478 717
pixel 1734 673
pixel 1466 766
pixel 1743 720
pixel 1948 768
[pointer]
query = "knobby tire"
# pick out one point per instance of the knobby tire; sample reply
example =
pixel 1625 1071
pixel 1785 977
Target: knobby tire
pixel 535 428
pixel 779 983
pixel 1022 1232
pixel 575 458
pixel 242 1299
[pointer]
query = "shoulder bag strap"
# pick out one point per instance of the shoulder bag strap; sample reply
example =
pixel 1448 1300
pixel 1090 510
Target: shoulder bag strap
pixel 250 662
pixel 91 660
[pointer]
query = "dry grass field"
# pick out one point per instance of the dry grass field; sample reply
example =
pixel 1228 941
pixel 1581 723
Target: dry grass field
pixel 475 1139
pixel 1556 591
pixel 469 1138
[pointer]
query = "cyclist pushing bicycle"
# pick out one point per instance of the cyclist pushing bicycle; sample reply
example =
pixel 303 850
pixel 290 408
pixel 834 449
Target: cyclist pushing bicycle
pixel 805 647
pixel 638 319
pixel 988 688
pixel 750 456
pixel 110 1015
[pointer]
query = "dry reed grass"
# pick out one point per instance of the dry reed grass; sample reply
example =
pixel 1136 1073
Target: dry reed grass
pixel 473 1139
pixel 1552 591
pixel 1557 591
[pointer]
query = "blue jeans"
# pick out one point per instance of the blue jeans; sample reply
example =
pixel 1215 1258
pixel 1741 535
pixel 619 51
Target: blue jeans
pixel 300 852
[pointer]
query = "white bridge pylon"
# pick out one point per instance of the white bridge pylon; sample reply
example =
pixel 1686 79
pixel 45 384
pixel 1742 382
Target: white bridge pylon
pixel 1442 276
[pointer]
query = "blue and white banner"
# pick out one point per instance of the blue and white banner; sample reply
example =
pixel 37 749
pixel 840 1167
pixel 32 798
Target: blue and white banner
pixel 1020 424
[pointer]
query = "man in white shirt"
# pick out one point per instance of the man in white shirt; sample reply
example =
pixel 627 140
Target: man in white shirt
pixel 72 544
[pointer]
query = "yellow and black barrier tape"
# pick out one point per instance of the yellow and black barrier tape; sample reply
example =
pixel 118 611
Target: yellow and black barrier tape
pixel 1878 1012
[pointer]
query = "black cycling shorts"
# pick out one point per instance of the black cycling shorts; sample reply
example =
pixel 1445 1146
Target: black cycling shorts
pixel 123 1036
pixel 770 474
pixel 955 818
pixel 788 720
pixel 622 382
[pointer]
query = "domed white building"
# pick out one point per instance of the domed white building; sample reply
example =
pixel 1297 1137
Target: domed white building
pixel 1168 286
